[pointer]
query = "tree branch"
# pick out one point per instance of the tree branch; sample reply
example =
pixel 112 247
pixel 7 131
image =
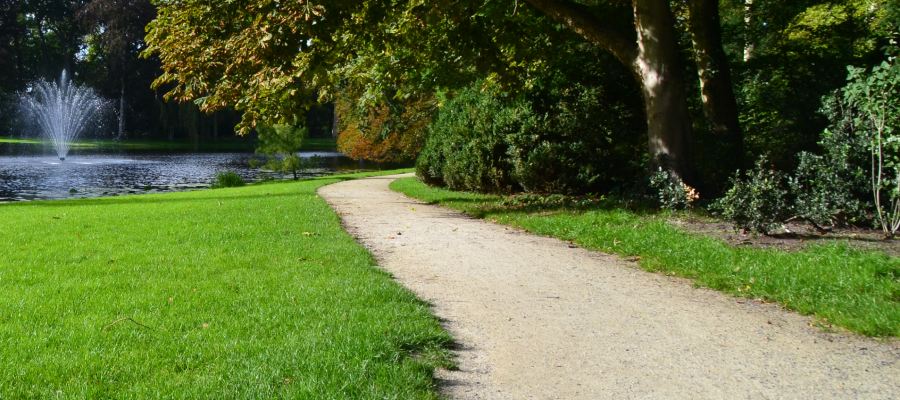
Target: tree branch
pixel 579 19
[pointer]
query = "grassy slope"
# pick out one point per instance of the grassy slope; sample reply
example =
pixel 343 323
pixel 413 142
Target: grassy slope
pixel 225 144
pixel 855 289
pixel 252 292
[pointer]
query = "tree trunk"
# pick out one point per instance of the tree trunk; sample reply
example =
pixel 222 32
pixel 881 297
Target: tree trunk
pixel 121 133
pixel 662 82
pixel 653 57
pixel 749 46
pixel 716 91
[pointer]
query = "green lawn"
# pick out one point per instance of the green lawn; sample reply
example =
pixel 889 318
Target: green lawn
pixel 252 292
pixel 147 145
pixel 858 290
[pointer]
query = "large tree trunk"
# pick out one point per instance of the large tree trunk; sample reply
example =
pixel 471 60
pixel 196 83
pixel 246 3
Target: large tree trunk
pixel 716 91
pixel 653 56
pixel 662 82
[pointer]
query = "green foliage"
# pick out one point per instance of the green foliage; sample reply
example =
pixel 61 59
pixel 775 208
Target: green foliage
pixel 552 139
pixel 575 138
pixel 788 55
pixel 822 195
pixel 466 147
pixel 841 285
pixel 227 179
pixel 757 200
pixel 829 188
pixel 874 96
pixel 671 192
pixel 243 293
pixel 280 144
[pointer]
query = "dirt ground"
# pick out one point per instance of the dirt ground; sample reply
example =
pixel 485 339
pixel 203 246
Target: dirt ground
pixel 535 318
pixel 792 237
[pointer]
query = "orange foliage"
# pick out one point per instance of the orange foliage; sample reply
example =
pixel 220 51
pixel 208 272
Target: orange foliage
pixel 402 143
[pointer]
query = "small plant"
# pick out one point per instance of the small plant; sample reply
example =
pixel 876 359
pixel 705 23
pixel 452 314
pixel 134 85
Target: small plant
pixel 874 95
pixel 671 192
pixel 227 179
pixel 757 201
pixel 280 144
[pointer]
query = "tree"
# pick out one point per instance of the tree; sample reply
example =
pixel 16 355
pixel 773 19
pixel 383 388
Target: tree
pixel 651 51
pixel 280 144
pixel 381 134
pixel 716 91
pixel 787 55
pixel 119 26
pixel 261 55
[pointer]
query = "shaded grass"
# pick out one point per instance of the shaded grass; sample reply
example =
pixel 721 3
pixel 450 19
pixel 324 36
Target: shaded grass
pixel 157 145
pixel 251 292
pixel 855 289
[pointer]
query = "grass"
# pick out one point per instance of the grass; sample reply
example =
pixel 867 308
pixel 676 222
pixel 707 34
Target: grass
pixel 149 145
pixel 251 292
pixel 854 289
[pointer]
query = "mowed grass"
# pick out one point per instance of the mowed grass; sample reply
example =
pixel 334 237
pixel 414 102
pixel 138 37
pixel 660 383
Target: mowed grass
pixel 244 293
pixel 854 289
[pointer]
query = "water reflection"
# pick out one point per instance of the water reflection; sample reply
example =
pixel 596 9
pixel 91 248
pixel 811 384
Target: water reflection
pixel 45 177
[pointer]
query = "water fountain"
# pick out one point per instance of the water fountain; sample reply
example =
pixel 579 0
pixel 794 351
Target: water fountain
pixel 62 110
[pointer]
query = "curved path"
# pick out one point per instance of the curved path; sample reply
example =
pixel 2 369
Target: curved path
pixel 537 319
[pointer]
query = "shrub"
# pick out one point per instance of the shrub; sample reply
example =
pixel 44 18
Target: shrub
pixel 874 96
pixel 828 188
pixel 466 148
pixel 567 140
pixel 757 200
pixel 227 179
pixel 671 192
pixel 578 139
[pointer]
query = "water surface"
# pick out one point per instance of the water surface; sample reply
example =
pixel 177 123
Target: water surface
pixel 29 177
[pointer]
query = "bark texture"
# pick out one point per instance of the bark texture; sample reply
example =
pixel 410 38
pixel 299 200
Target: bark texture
pixel 716 90
pixel 662 82
pixel 651 52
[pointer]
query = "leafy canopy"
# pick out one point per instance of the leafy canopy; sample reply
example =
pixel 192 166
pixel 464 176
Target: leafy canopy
pixel 274 59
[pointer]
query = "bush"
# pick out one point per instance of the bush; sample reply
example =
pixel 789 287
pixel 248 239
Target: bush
pixel 227 179
pixel 466 147
pixel 579 139
pixel 671 192
pixel 757 201
pixel 873 95
pixel 567 140
pixel 828 190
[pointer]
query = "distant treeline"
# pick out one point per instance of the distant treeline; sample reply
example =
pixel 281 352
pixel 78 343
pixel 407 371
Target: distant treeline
pixel 100 42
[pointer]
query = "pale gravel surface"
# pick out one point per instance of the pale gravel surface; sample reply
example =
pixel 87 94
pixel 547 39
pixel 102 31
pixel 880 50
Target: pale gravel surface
pixel 537 319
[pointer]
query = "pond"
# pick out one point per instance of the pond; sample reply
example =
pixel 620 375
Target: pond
pixel 31 177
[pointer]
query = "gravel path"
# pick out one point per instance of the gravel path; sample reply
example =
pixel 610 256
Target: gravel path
pixel 537 319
